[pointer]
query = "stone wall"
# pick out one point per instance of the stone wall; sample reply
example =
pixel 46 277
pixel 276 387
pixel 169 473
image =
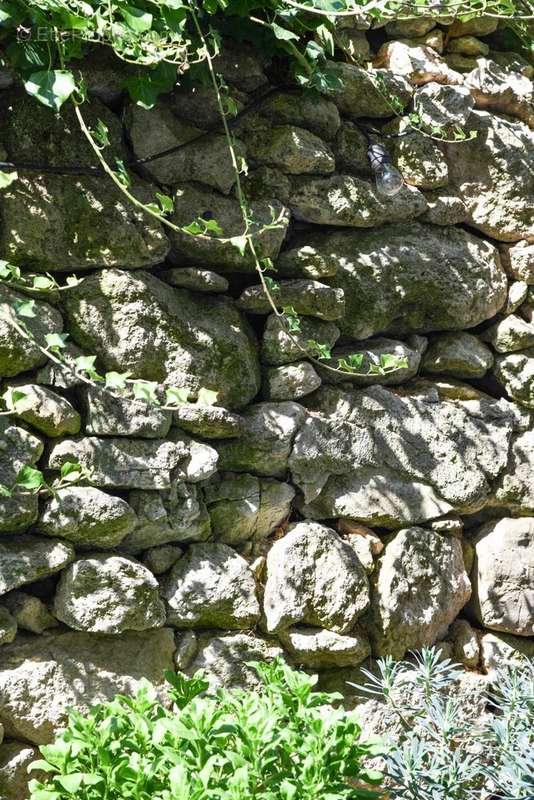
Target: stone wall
pixel 328 521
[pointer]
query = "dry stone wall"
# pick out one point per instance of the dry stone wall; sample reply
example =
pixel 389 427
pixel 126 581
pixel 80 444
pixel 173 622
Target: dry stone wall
pixel 326 519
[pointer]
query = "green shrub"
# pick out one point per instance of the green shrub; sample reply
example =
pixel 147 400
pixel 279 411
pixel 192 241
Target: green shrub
pixel 443 751
pixel 276 743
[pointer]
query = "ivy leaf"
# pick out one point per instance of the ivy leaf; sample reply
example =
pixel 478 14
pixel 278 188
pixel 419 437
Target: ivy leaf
pixel 100 134
pixel 146 390
pixel 24 308
pixel 117 380
pixel 137 19
pixel 30 478
pixel 7 178
pixel 51 87
pixel 43 282
pixel 282 34
pixel 71 471
pixel 388 361
pixel 145 89
pixel 9 271
pixel 176 396
pixel 206 397
pixel 165 202
pixel 13 396
pixel 240 242
pixel 5 491
pixel 87 364
pixel 56 341
pixel 122 173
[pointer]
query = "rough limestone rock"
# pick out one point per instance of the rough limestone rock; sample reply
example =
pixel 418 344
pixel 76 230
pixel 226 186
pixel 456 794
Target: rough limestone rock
pixel 445 207
pixel 400 28
pixel 515 372
pixel 351 202
pixel 291 381
pixel 458 354
pixel 515 489
pixel 278 347
pixel 318 648
pixel 503 591
pixel 468 46
pixel 137 463
pixel 15 758
pixel 202 157
pixel 291 149
pixel 8 626
pixel 510 334
pixel 392 285
pixel 108 415
pixel 29 558
pixel 418 65
pixel 198 280
pixel 385 458
pixel 196 103
pixel 192 201
pixel 267 183
pixel 40 211
pixel 46 411
pixel 465 645
pixel 243 507
pixel 314 578
pixel 502 91
pixel 365 93
pixel 41 678
pixel 420 587
pixel 265 446
pixel 314 112
pixel 307 297
pixel 225 660
pixel 513 61
pixel 478 26
pixel 443 106
pixel 103 593
pixel 138 323
pixel 29 612
pixel 417 157
pixel 17 354
pixel 211 586
pixel 434 39
pixel 499 651
pixel 209 422
pixel 160 559
pixel 494 178
pixel 86 516
pixel 517 295
pixel 373 350
pixel 178 515
pixel 350 148
pixel 18 448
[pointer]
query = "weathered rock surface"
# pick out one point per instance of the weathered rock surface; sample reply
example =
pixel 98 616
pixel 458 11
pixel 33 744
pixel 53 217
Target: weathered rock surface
pixel 192 201
pixel 17 353
pixel 418 158
pixel 465 644
pixel 197 280
pixel 418 65
pixel 46 411
pixel 502 91
pixel 518 261
pixel 8 626
pixel 515 371
pixel 318 648
pixel 209 422
pixel 314 112
pixel 278 347
pixel 291 149
pixel 373 350
pixel 103 593
pixel 468 46
pixel 420 587
pixel 29 558
pixel 225 660
pixel 445 207
pixel 443 106
pixel 314 578
pixel 211 586
pixel 502 650
pixel 86 516
pixel 177 515
pixel 503 591
pixel 15 758
pixel 160 344
pixel 493 176
pixel 391 283
pixel 388 459
pixel 291 381
pixel 510 334
pixel 307 297
pixel 29 612
pixel 477 26
pixel 18 448
pixel 366 93
pixel 460 355
pixel 160 559
pixel 265 446
pixel 243 507
pixel 40 679
pixel 137 463
pixel 515 489
pixel 108 415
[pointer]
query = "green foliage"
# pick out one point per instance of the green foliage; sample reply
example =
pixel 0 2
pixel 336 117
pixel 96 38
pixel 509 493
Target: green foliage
pixel 444 751
pixel 273 744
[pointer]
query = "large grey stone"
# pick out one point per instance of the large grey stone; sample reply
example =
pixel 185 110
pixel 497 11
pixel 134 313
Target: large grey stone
pixel 443 106
pixel 290 381
pixel 392 284
pixel 56 224
pixel 8 626
pixel 86 516
pixel 502 651
pixel 479 25
pixel 515 372
pixel 494 178
pixel 314 578
pixel 18 448
pixel 386 458
pixel 26 559
pixel 420 587
pixel 280 347
pixel 510 334
pixel 502 91
pixel 503 590
pixel 307 297
pixel 103 593
pixel 41 678
pixel 308 110
pixel 15 758
pixel 318 648
pixel 291 149
pixel 137 463
pixel 136 322
pixel 468 46
pixel 515 489
pixel 211 586
pixel 46 411
pixel 418 65
pixel 458 354
pixel 177 515
pixel 416 26
pixel 29 612
pixel 198 280
pixel 417 157
pixel 17 352
pixel 106 414
pixel 243 507
pixel 351 202
pixel 265 446
pixel 192 201
pixel 445 207
pixel 226 660
pixel 366 93
pixel 208 422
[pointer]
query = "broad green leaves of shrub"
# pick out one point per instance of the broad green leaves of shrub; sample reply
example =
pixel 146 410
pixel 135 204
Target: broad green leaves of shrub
pixel 277 743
